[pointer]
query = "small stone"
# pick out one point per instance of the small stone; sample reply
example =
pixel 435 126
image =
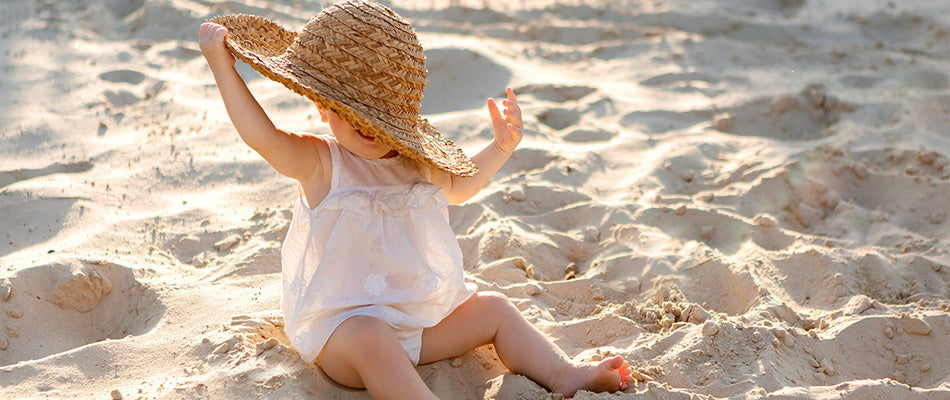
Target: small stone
pixel 116 395
pixel 4 344
pixel 789 341
pixel 857 305
pixel 680 210
pixel 723 123
pixel 765 221
pixel 517 194
pixel 925 368
pixel 889 332
pixel 571 271
pixel 227 243
pixel 915 326
pixel 533 289
pixel 6 289
pixel 902 359
pixel 456 362
pixel 710 328
pixel 860 171
pixel 695 314
pixel 888 346
pixel 814 363
pixel 266 345
pixel 14 313
pixel 667 321
pixel 827 369
pixel 222 348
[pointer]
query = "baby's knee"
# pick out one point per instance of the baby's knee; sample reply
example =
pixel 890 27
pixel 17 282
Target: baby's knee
pixel 497 303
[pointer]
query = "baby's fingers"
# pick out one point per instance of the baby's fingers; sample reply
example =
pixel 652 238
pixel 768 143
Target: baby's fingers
pixel 513 117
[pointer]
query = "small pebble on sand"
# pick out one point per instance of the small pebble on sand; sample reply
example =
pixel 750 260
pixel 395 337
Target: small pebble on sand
pixel 710 328
pixel 915 326
pixel 765 221
pixel 6 289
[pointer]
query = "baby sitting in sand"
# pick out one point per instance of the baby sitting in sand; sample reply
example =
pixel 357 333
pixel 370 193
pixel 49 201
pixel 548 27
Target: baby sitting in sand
pixel 372 273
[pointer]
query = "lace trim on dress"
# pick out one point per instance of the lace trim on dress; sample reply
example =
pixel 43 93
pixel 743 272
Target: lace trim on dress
pixel 392 201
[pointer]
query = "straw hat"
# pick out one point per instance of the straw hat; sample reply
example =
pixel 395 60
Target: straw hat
pixel 359 59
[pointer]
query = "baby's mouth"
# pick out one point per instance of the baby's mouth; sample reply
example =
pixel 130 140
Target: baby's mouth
pixel 369 138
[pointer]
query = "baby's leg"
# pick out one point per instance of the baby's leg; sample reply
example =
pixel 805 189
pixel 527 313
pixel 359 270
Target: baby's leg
pixel 364 352
pixel 489 317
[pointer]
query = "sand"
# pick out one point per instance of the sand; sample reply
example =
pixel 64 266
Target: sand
pixel 746 199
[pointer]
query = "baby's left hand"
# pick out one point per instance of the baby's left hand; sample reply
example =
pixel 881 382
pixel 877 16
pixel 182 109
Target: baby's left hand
pixel 508 128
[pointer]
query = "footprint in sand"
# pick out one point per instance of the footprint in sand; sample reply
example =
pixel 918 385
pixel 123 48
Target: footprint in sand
pixel 559 118
pixel 808 115
pixel 123 76
pixel 657 122
pixel 13 176
pixel 461 79
pixel 588 135
pixel 690 82
pixel 555 93
pixel 67 303
pixel 129 88
pixel 122 8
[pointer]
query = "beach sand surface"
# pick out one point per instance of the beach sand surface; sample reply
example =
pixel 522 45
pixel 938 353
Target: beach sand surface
pixel 746 199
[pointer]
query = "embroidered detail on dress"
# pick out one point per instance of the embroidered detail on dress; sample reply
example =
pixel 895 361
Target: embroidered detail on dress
pixel 375 284
pixel 392 201
pixel 296 287
pixel 302 339
pixel 428 283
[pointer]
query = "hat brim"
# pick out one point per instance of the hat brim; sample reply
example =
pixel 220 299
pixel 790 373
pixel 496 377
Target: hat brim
pixel 262 44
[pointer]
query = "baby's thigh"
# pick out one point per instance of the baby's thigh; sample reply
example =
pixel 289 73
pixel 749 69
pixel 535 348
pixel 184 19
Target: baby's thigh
pixel 349 346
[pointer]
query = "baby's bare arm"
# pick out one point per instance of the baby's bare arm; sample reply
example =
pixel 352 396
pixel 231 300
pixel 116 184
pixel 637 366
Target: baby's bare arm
pixel 290 154
pixel 508 132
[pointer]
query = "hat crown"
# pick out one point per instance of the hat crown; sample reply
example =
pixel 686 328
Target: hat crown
pixel 370 52
pixel 362 61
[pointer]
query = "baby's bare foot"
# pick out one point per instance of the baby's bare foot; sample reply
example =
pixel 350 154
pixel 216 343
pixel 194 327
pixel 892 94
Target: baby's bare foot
pixel 609 375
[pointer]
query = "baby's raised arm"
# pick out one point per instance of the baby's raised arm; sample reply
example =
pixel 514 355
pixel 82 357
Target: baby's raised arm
pixel 508 132
pixel 290 154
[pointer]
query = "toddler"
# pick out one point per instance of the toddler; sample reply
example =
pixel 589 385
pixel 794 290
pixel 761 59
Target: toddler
pixel 372 273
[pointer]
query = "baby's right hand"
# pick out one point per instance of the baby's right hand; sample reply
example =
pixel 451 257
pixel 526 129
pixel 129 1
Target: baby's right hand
pixel 211 38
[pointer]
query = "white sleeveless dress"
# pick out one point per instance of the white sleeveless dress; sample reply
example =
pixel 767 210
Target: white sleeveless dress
pixel 379 245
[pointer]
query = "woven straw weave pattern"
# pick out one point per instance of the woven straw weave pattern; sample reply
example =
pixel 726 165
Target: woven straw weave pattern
pixel 362 61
